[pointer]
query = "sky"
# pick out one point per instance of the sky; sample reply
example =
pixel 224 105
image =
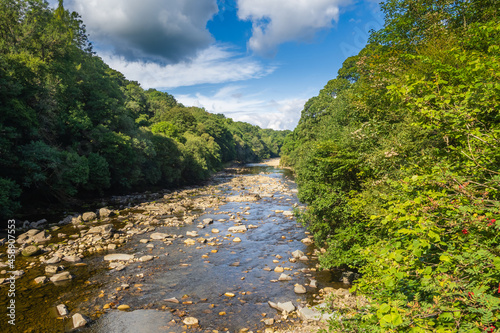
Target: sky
pixel 256 61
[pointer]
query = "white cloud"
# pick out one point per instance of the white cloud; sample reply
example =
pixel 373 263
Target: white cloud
pixel 255 109
pixel 216 64
pixel 158 30
pixel 278 21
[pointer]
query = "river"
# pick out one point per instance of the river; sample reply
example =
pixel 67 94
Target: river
pixel 203 270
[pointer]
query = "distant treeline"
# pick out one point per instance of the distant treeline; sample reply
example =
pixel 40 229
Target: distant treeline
pixel 70 124
pixel 398 158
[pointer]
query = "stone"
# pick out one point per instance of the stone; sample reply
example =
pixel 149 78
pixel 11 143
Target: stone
pixel 269 321
pixel 349 277
pixel 307 314
pixel 284 277
pixel 192 233
pixel 64 276
pixel 172 300
pixel 215 231
pixel 189 241
pixel 313 284
pixel 287 306
pixel 101 229
pixel 158 236
pixel 104 212
pixel 118 257
pixel 190 321
pixel 52 269
pixel 237 240
pixel 79 320
pixel 208 221
pixel 31 250
pixel 53 260
pixel 33 236
pixel 238 228
pixel 123 307
pixel 297 254
pixel 288 213
pixel 144 241
pixel 229 294
pixel 299 289
pixel 146 258
pixel 72 259
pixel 41 280
pixel 279 269
pixel 62 310
pixel 307 241
pixel 89 216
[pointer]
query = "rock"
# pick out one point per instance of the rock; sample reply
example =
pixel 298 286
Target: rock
pixel 208 221
pixel 79 320
pixel 307 314
pixel 31 250
pixel 144 241
pixel 297 254
pixel 304 258
pixel 269 330
pixel 238 228
pixel 307 241
pixel 62 310
pixel 41 280
pixel 118 256
pixel 111 246
pixel 189 241
pixel 287 306
pixel 72 259
pixel 104 212
pixel 237 240
pixel 229 294
pixel 284 277
pixel 53 260
pixel 172 300
pixel 64 276
pixel 123 307
pixel 101 229
pixel 215 231
pixel 299 289
pixel 33 236
pixel 313 284
pixel 89 216
pixel 190 321
pixel 269 321
pixel 158 236
pixel 146 258
pixel 52 269
pixel 192 233
pixel 288 213
pixel 279 269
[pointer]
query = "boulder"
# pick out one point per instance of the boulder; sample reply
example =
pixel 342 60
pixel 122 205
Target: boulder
pixel 284 277
pixel 307 314
pixel 62 310
pixel 41 280
pixel 31 250
pixel 287 306
pixel 104 212
pixel 79 320
pixel 33 236
pixel 238 228
pixel 299 289
pixel 64 276
pixel 297 254
pixel 89 216
pixel 118 257
pixel 102 229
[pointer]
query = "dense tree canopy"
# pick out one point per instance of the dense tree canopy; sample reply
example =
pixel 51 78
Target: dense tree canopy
pixel 398 158
pixel 69 124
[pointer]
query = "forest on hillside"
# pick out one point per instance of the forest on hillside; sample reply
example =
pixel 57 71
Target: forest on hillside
pixel 398 159
pixel 71 125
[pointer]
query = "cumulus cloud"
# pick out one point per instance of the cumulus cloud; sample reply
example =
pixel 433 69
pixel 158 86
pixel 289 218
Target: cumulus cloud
pixel 252 108
pixel 278 21
pixel 157 30
pixel 215 64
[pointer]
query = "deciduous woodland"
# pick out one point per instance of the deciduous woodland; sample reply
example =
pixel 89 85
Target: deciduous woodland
pixel 69 124
pixel 398 159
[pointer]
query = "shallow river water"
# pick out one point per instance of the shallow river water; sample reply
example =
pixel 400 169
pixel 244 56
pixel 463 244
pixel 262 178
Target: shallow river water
pixel 199 276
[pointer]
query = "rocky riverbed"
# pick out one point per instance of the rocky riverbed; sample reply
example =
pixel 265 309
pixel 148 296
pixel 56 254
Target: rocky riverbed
pixel 226 257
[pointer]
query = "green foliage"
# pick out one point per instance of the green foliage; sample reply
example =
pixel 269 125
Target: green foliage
pixel 398 159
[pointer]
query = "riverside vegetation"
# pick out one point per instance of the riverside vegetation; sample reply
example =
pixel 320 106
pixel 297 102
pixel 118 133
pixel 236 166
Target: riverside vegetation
pixel 71 126
pixel 398 160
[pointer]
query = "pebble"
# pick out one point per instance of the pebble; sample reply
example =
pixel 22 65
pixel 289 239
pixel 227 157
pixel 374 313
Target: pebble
pixel 123 307
pixel 190 321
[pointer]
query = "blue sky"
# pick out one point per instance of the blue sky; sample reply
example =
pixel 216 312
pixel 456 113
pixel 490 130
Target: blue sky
pixel 257 61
